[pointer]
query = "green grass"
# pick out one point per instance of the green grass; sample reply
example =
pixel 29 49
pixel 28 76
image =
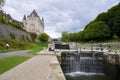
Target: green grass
pixel 10 62
pixel 38 47
pixel 14 45
pixel 20 45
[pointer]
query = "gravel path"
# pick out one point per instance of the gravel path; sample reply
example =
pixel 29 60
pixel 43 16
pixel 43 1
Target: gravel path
pixel 16 53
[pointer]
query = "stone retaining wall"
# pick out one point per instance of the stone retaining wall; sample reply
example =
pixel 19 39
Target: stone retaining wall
pixel 9 32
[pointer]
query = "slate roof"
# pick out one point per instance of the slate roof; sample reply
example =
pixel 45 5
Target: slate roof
pixel 34 13
pixel 8 16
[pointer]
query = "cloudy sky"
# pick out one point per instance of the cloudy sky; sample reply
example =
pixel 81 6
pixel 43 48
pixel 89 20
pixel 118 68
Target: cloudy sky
pixel 60 15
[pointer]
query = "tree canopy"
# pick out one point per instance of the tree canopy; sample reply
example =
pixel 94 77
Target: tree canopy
pixel 43 37
pixel 65 36
pixel 97 31
pixel 1 4
pixel 111 18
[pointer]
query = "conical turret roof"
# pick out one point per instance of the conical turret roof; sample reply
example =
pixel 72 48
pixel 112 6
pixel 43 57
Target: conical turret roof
pixel 24 18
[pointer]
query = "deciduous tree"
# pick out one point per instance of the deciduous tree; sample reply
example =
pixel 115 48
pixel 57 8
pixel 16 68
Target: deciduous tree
pixel 43 37
pixel 1 4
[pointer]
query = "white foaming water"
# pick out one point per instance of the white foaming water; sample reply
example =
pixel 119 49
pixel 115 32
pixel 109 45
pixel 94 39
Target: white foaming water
pixel 83 74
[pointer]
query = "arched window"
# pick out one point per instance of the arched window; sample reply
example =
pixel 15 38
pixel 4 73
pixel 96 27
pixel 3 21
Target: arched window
pixel 32 28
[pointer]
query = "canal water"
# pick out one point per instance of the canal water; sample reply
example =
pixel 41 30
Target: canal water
pixel 83 66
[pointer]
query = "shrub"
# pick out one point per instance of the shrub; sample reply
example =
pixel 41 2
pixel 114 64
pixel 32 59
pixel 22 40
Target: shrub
pixel 43 37
pixel 33 36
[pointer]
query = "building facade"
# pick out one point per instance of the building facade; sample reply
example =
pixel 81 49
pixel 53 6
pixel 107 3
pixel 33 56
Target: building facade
pixel 32 23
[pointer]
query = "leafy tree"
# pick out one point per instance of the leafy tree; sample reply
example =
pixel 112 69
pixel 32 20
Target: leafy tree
pixel 115 37
pixel 43 37
pixel 97 31
pixel 102 17
pixel 1 4
pixel 77 36
pixel 116 26
pixel 73 37
pixel 111 18
pixel 81 36
pixel 65 36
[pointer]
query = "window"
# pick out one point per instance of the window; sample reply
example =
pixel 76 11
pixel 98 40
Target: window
pixel 32 28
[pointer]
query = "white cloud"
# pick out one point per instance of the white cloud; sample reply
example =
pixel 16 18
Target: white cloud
pixel 60 15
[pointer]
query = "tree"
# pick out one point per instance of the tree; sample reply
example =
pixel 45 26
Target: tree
pixel 65 36
pixel 1 4
pixel 74 36
pixel 115 37
pixel 81 36
pixel 97 31
pixel 43 37
pixel 116 26
pixel 111 18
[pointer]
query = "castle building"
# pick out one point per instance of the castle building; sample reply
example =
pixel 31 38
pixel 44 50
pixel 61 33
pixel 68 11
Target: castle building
pixel 10 19
pixel 33 23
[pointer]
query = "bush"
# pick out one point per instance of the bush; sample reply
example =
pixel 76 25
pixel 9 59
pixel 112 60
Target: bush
pixel 33 36
pixel 43 37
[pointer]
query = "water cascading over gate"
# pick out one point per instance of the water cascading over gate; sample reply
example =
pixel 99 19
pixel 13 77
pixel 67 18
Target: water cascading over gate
pixel 84 62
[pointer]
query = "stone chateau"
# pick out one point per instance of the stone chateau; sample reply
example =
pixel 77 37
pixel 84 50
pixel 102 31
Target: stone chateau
pixel 33 23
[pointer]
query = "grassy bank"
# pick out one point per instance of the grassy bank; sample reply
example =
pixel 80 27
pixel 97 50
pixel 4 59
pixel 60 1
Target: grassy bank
pixel 14 45
pixel 10 62
pixel 38 47
pixel 20 45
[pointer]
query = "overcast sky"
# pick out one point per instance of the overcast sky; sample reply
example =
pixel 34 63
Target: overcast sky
pixel 60 15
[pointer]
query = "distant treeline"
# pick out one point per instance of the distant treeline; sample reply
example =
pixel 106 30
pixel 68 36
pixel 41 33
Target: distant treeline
pixel 106 26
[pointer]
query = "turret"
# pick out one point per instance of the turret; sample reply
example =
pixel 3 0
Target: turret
pixel 24 18
pixel 24 21
pixel 43 20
